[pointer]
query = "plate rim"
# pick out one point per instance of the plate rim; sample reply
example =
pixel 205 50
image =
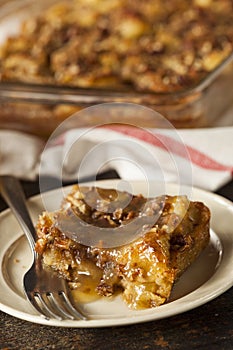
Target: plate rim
pixel 185 303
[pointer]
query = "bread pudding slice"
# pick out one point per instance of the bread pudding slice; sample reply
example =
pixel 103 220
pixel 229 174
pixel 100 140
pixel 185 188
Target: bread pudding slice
pixel 143 270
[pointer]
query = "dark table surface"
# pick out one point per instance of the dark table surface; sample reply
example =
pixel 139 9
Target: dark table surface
pixel 207 327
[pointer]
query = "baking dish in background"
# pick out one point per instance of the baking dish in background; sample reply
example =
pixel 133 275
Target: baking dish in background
pixel 40 108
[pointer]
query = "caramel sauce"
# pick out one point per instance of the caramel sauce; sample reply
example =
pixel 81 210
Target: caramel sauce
pixel 85 292
pixel 87 278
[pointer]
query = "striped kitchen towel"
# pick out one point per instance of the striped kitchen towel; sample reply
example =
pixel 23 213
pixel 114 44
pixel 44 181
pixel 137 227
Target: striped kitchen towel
pixel 198 157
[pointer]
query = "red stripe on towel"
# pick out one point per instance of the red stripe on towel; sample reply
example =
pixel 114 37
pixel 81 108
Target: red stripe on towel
pixel 171 145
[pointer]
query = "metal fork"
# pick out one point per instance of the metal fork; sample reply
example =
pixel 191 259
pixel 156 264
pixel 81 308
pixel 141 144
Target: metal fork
pixel 48 294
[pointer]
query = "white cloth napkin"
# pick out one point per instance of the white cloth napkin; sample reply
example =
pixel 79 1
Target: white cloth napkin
pixel 199 157
pixel 19 154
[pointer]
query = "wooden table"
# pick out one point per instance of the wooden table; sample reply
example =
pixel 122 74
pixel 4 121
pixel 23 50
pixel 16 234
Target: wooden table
pixel 207 327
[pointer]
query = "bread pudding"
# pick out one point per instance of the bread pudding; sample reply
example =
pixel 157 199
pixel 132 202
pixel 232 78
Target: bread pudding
pixel 171 56
pixel 144 269
pixel 159 46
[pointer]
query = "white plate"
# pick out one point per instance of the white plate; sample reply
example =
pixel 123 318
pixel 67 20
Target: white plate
pixel 208 277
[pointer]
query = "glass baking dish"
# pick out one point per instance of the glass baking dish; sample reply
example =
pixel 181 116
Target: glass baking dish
pixel 40 108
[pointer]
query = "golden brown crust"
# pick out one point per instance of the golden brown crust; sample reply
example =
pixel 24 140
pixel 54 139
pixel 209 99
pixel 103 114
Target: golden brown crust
pixel 146 269
pixel 189 238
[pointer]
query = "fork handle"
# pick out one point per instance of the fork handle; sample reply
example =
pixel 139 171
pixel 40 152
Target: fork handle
pixel 13 194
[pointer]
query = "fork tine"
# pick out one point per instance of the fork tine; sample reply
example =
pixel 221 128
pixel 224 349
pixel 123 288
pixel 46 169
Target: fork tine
pixel 50 303
pixel 36 305
pixel 43 306
pixel 71 308
pixel 56 303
